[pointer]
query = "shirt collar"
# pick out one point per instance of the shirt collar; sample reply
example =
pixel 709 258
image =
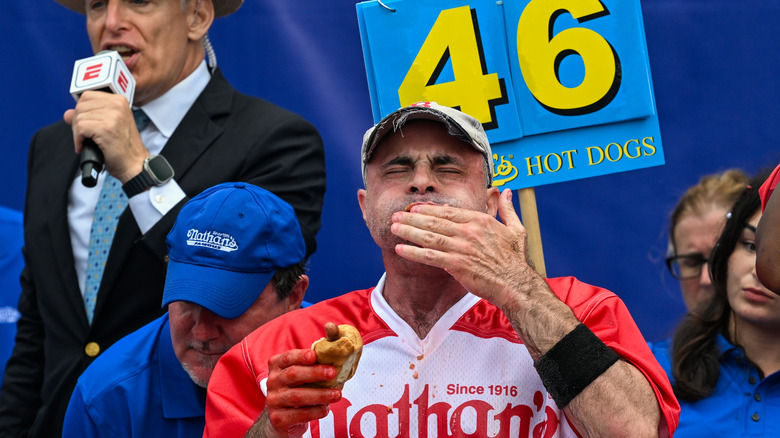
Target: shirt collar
pixel 181 397
pixel 167 111
pixel 727 349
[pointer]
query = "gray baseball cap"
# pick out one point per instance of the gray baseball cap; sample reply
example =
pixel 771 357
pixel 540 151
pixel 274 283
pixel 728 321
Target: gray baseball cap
pixel 457 122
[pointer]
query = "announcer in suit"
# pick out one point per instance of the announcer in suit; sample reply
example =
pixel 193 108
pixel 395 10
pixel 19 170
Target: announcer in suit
pixel 207 133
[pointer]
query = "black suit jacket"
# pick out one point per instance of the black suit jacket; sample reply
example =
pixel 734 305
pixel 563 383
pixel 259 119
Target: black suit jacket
pixel 225 136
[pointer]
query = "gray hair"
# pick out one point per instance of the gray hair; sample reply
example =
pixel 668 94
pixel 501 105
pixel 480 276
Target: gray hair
pixel 211 55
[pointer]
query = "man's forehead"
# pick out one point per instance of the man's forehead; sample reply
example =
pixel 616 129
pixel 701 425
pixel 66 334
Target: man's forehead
pixel 421 136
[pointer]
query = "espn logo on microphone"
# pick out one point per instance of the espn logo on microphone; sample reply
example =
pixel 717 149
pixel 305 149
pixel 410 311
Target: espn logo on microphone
pixel 104 70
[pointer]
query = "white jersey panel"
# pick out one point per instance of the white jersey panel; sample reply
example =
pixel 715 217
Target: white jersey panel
pixel 489 384
pixel 485 397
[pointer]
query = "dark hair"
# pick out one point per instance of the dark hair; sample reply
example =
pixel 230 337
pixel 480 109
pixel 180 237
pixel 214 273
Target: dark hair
pixel 285 279
pixel 695 354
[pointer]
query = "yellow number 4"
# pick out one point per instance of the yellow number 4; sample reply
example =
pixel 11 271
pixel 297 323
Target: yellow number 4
pixel 455 37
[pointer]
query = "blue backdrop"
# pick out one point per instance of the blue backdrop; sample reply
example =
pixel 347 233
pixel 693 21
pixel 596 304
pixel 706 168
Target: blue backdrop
pixel 714 64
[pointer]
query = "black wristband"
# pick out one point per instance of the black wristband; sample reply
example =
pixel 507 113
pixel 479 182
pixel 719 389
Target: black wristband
pixel 573 363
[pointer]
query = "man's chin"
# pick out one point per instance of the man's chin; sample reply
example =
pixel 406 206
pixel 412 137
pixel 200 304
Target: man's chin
pixel 199 375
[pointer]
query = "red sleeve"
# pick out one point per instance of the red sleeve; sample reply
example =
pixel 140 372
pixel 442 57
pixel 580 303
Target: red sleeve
pixel 768 187
pixel 608 317
pixel 234 399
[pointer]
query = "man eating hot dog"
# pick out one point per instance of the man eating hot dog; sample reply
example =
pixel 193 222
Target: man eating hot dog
pixel 461 336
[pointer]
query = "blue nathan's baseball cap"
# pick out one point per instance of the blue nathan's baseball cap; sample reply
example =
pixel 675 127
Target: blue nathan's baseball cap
pixel 227 244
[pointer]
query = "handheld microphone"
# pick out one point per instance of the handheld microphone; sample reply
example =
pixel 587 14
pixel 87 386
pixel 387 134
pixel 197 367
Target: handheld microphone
pixel 103 72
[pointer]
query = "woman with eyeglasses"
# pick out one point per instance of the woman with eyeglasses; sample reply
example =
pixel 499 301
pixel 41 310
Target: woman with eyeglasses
pixel 725 357
pixel 695 225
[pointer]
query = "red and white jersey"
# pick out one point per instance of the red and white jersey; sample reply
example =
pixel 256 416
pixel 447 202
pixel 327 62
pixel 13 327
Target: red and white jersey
pixel 471 375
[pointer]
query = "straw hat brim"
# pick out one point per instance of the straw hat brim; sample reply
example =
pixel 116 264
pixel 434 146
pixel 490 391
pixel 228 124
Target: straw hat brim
pixel 221 7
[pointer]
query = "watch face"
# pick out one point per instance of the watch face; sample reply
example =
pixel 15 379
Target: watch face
pixel 160 169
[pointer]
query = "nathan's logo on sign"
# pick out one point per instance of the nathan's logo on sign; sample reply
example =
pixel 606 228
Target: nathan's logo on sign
pixel 212 239
pixel 507 168
pixel 472 418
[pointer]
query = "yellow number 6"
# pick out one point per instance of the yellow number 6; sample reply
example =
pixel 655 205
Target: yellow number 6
pixel 540 54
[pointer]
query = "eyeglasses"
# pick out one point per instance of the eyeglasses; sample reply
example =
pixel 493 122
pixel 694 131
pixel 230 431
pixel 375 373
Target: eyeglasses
pixel 686 266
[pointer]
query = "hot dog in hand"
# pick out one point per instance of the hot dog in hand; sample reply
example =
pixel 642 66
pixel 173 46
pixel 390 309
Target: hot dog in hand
pixel 341 347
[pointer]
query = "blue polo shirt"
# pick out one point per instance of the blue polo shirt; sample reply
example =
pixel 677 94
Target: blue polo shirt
pixel 742 404
pixel 137 388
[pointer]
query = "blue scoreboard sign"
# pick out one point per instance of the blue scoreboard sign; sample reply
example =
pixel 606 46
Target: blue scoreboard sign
pixel 562 87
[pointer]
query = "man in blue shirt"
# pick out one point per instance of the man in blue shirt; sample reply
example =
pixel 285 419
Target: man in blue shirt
pixel 235 261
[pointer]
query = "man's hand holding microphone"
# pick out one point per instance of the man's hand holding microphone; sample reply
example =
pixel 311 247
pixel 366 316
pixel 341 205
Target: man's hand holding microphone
pixel 104 130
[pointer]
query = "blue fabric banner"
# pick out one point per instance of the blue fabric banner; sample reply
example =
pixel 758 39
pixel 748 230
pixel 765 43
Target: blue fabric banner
pixel 714 67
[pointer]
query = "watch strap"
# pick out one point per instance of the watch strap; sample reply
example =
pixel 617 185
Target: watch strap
pixel 138 184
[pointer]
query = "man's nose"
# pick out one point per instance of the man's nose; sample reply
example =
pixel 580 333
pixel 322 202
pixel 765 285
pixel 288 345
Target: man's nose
pixel 206 325
pixel 115 16
pixel 422 181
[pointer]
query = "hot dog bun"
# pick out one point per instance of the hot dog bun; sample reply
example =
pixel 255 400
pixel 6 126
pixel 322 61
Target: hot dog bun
pixel 341 347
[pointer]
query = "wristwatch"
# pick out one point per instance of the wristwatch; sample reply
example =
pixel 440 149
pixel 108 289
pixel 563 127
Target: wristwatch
pixel 156 172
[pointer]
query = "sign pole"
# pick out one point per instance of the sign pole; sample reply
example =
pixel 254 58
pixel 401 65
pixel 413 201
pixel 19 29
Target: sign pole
pixel 530 218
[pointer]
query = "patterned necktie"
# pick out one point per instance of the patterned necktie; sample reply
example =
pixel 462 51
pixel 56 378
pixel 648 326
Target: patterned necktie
pixel 110 205
pixel 141 119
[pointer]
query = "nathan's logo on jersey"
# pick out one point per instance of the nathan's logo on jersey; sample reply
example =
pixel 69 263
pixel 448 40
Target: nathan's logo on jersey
pixel 212 239
pixel 476 418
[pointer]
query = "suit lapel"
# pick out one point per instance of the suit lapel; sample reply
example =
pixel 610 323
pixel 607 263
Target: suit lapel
pixel 57 209
pixel 197 130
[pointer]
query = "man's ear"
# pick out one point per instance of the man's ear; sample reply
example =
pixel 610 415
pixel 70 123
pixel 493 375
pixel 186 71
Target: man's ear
pixel 361 194
pixel 493 195
pixel 298 291
pixel 200 19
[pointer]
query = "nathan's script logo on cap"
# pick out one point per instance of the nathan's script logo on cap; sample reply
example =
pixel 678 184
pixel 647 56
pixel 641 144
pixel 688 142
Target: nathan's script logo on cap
pixel 212 239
